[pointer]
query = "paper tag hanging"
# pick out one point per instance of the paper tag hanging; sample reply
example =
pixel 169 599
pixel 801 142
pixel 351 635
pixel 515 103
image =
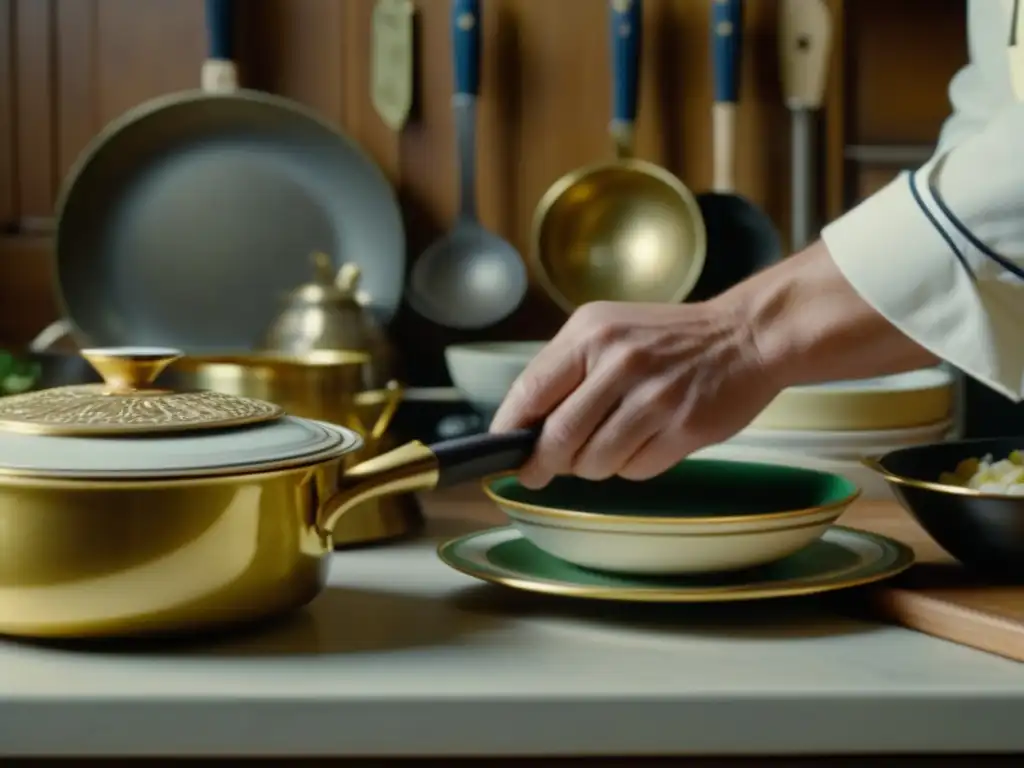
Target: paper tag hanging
pixel 391 65
pixel 1015 53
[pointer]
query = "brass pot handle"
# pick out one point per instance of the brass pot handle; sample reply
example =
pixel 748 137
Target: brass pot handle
pixel 392 396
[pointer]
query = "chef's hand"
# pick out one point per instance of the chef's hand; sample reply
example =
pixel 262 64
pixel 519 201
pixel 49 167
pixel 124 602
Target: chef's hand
pixel 631 389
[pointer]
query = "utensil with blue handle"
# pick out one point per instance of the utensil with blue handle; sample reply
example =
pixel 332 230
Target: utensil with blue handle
pixel 625 31
pixel 742 239
pixel 471 278
pixel 466 63
pixel 589 225
pixel 219 73
pixel 726 48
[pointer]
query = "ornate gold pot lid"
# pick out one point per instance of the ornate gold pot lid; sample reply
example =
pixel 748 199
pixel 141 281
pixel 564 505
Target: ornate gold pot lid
pixel 124 429
pixel 126 403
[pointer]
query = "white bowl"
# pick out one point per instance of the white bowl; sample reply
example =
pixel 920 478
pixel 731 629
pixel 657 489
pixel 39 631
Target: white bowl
pixel 910 399
pixel 485 371
pixel 842 444
pixel 667 544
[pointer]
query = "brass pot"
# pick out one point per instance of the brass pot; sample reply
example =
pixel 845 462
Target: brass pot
pixel 126 509
pixel 325 385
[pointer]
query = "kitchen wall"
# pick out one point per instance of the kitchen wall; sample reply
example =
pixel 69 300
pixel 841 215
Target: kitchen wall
pixel 68 66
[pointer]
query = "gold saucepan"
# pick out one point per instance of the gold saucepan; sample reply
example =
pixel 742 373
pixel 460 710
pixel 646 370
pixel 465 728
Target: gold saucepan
pixel 621 231
pixel 129 509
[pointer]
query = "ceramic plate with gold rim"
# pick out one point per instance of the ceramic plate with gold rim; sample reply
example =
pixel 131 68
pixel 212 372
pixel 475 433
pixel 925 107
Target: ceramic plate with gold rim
pixel 700 516
pixel 842 558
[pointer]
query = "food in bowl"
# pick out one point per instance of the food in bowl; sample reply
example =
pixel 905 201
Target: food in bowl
pixel 988 475
pixel 981 529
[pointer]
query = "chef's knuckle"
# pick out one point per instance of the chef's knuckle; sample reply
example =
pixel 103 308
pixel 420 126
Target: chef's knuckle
pixel 664 400
pixel 558 436
pixel 632 359
pixel 590 312
pixel 596 323
pixel 524 389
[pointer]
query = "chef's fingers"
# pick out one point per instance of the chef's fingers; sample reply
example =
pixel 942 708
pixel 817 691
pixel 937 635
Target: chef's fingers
pixel 659 454
pixel 574 421
pixel 548 379
pixel 643 413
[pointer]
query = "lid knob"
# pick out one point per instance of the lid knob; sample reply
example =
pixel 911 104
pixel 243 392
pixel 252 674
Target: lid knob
pixel 347 279
pixel 126 369
pixel 323 270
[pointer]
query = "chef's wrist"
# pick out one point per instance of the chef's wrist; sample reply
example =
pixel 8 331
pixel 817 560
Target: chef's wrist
pixel 809 325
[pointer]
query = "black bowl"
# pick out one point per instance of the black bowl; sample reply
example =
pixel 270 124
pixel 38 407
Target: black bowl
pixel 984 531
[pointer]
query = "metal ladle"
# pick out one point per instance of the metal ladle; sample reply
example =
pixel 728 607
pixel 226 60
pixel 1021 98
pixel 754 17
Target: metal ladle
pixel 470 278
pixel 624 230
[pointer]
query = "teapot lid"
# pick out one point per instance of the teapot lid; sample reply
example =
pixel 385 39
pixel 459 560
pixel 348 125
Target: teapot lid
pixel 127 403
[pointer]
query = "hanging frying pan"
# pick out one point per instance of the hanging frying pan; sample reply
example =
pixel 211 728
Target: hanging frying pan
pixel 742 239
pixel 188 218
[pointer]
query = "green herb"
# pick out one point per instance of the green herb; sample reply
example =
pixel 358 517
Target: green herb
pixel 17 374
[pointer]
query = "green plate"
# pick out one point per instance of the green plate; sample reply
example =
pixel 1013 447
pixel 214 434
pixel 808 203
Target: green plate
pixel 841 558
pixel 695 490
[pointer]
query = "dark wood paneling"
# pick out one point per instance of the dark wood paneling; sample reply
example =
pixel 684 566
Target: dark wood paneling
pixel 34 101
pixel 900 58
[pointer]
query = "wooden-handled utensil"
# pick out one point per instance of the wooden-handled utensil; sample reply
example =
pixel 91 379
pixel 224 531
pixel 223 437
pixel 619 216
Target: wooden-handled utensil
pixel 805 36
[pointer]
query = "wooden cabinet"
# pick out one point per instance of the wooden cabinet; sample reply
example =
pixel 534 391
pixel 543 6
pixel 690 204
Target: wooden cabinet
pixel 69 66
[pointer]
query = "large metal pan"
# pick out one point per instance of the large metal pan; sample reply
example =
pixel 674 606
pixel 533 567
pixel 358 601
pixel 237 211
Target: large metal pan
pixel 187 218
pixel 627 230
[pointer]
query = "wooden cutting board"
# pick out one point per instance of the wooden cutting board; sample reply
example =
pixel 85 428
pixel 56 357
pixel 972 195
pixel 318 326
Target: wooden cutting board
pixel 937 595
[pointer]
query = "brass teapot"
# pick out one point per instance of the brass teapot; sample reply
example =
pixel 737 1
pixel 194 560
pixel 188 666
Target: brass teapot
pixel 327 314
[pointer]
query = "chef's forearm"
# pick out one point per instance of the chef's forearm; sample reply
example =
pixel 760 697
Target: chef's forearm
pixel 810 325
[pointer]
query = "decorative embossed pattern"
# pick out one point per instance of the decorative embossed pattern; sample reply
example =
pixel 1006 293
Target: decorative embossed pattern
pixel 92 409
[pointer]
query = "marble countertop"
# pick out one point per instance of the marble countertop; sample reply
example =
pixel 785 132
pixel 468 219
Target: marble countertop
pixel 402 656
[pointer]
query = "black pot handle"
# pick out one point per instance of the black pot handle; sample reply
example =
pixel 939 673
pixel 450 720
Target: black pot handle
pixel 474 457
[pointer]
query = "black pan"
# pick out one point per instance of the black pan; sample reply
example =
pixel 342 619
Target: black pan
pixel 188 218
pixel 741 238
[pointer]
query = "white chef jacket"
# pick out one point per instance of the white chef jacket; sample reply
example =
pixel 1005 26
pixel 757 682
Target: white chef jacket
pixel 900 264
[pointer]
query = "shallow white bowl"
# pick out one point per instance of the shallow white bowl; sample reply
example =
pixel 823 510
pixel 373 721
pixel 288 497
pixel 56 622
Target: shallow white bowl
pixel 667 552
pixel 670 545
pixel 485 371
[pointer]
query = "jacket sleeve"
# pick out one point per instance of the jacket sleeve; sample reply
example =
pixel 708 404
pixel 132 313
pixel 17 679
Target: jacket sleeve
pixel 971 315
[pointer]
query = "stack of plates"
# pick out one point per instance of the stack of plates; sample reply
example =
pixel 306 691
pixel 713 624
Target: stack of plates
pixel 832 426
